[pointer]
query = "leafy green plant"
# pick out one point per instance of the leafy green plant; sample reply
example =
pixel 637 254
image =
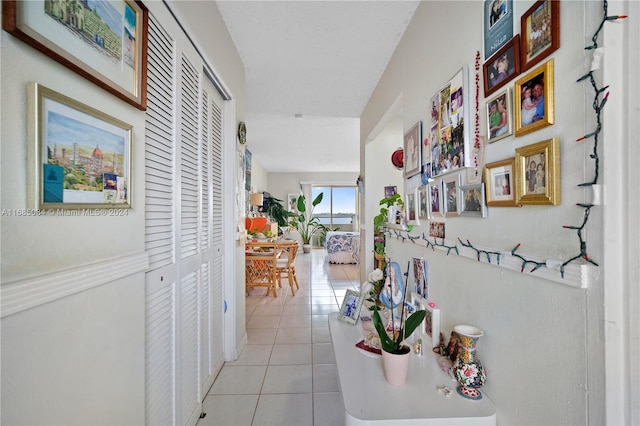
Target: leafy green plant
pixel 380 220
pixel 274 208
pixel 305 222
pixel 394 345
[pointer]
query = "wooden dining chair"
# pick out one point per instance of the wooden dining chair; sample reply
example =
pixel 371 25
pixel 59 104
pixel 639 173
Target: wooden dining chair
pixel 261 267
pixel 286 264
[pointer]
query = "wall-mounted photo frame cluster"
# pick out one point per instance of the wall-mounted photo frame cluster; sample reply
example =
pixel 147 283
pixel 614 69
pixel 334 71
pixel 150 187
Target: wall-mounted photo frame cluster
pixel 533 94
pixel 531 177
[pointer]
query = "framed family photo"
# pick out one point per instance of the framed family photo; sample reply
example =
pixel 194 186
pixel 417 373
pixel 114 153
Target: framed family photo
pixel 499 116
pixel 412 150
pixel 535 105
pixel 497 25
pixel 435 198
pixel 472 202
pixel 540 28
pixel 451 203
pixel 538 173
pixel 437 229
pixel 502 67
pixel 423 202
pixel 111 52
pixel 412 207
pixel 351 305
pixel 81 157
pixel 500 183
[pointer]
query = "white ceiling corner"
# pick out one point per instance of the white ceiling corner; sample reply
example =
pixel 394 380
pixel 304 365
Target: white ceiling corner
pixel 321 59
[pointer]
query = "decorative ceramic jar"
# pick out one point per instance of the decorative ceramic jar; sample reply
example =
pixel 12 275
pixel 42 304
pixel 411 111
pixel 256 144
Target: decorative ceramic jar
pixel 467 369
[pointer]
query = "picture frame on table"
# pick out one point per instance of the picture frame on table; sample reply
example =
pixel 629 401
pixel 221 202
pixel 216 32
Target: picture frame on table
pixel 497 25
pixel 80 156
pixel 472 200
pixel 538 173
pixel 501 183
pixel 435 198
pixel 450 150
pixel 351 306
pixel 411 204
pixel 502 67
pixel 113 56
pixel 420 276
pixel 413 150
pixel 451 203
pixel 423 202
pixel 540 32
pixel 534 108
pixel 431 322
pixel 499 115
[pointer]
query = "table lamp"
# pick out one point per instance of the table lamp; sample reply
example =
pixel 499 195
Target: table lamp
pixel 256 200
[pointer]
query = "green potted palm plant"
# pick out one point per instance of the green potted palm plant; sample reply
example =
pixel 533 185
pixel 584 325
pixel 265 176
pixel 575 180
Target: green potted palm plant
pixel 307 224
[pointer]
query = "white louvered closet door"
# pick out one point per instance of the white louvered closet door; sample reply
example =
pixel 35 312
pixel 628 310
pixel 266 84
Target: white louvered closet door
pixel 183 231
pixel 160 233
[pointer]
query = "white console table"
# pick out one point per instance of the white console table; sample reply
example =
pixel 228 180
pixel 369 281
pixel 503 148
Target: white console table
pixel 370 400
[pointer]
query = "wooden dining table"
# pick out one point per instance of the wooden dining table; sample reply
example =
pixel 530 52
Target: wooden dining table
pixel 261 264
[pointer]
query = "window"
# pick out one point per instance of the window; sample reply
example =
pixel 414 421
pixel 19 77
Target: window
pixel 339 207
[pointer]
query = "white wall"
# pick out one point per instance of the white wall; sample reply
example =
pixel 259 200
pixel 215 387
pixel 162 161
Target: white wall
pixel 543 345
pixel 79 359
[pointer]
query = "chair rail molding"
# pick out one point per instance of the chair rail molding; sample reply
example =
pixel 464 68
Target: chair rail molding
pixel 28 293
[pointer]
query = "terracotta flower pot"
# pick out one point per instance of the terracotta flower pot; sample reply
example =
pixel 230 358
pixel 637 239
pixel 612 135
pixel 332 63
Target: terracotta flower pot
pixel 396 366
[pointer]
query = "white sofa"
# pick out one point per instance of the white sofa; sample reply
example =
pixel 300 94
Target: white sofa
pixel 342 247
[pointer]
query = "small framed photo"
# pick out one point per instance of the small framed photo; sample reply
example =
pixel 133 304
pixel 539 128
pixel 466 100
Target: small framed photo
pixel 413 150
pixel 412 207
pixel 81 157
pixel 540 28
pixel 436 229
pixel 423 202
pixel 420 277
pixel 538 173
pixel 450 191
pixel 351 305
pixel 499 113
pixel 502 67
pixel 472 200
pixel 498 25
pixel 534 94
pixel 432 322
pixel 435 198
pixel 500 183
pixel 390 191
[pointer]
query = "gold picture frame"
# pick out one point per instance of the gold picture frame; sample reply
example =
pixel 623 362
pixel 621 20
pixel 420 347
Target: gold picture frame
pixel 80 157
pixel 500 183
pixel 533 100
pixel 538 173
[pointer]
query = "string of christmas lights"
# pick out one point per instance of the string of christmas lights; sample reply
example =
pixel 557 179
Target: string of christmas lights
pixel 598 105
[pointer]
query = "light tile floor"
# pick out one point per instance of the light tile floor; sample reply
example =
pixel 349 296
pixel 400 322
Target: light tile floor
pixel 286 374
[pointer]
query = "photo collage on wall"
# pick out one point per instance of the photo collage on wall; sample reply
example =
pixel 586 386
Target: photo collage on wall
pixel 448 136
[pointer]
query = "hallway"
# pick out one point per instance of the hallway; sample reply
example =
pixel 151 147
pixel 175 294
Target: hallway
pixel 286 374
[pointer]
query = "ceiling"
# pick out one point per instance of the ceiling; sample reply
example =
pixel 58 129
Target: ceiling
pixel 318 59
